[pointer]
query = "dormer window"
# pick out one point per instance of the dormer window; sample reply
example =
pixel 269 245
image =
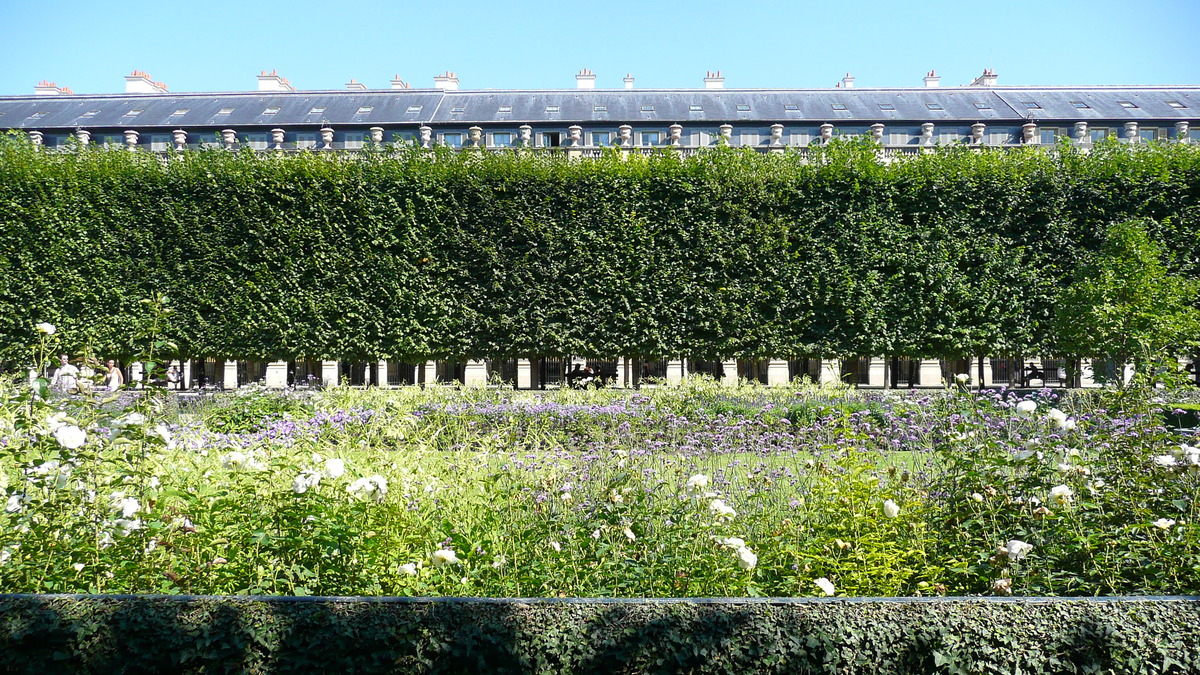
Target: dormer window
pixel 504 109
pixel 1031 105
pixel 551 109
pixel 790 106
pixel 838 106
pixel 695 108
pixel 980 105
pixel 458 109
pixel 37 115
pixel 743 108
pixel 134 113
pixel 412 109
pixel 180 112
pixel 599 108
pixel 1126 104
pixel 647 108
pixel 1080 105
pixel 317 110
pixel 270 111
pixel 934 106
pixel 887 106
pixel 90 113
pixel 225 111
pixel 365 110
pixel 1177 105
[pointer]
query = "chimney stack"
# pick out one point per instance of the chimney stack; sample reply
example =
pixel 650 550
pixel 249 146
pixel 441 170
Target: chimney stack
pixel 139 82
pixel 714 80
pixel 987 79
pixel 45 88
pixel 586 79
pixel 447 81
pixel 628 81
pixel 398 83
pixel 355 86
pixel 848 81
pixel 932 79
pixel 273 82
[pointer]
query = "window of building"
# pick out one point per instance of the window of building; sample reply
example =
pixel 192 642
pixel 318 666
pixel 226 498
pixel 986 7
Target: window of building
pixel 255 141
pixel 599 108
pixel 947 137
pixel 413 109
pixel 457 109
pixel 90 113
pixel 1050 134
pixel 1031 105
pixel 887 106
pixel 225 111
pixel 160 142
pixel 790 106
pixel 899 137
pixel 982 105
pixel 1148 134
pixel 37 115
pixel 1097 134
pixel 743 108
pixel 502 139
pixel 1177 105
pixel 270 111
pixel 551 108
pixel 601 138
pixel 504 109
pixel 365 110
pixel 650 138
pixel 647 108
pixel 180 112
pixel 134 113
pixel 452 140
pixel 934 106
pixel 695 108
pixel 1126 104
pixel 317 110
pixel 551 139
pixel 112 141
pixel 839 106
pixel 1080 105
pixel 354 140
pixel 306 140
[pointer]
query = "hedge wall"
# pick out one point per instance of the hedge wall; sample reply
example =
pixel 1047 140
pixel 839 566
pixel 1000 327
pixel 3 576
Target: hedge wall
pixel 131 634
pixel 412 255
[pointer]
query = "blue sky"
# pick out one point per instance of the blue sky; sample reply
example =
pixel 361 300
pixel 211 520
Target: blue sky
pixel 221 45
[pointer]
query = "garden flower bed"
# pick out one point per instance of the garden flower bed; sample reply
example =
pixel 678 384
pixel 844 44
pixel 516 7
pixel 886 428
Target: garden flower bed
pixel 698 491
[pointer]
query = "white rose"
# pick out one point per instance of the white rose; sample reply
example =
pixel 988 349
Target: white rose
pixel 70 436
pixel 47 328
pixel 1017 549
pixel 746 558
pixel 826 586
pixel 307 480
pixel 1026 408
pixel 1061 495
pixel 443 557
pixel 1164 523
pixel 698 481
pixel 334 468
pixel 890 509
pixel 409 568
pixel 720 509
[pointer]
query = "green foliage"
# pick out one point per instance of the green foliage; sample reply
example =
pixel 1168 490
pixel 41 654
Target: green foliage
pixel 251 408
pixel 410 255
pixel 259 635
pixel 1125 304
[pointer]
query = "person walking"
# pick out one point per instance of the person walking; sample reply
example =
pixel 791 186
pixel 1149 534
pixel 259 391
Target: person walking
pixel 114 378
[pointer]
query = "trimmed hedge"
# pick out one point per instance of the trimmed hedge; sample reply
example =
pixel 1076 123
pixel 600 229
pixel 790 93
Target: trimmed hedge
pixel 132 634
pixel 412 255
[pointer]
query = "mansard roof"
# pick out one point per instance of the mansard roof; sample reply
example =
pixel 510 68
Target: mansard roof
pixel 615 106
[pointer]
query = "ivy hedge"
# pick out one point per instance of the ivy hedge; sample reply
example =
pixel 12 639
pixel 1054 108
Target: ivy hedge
pixel 133 634
pixel 410 255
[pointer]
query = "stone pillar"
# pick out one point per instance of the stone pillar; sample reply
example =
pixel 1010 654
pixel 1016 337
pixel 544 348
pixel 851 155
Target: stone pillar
pixel 137 374
pixel 1182 132
pixel 831 371
pixel 475 374
pixel 525 374
pixel 1087 374
pixel 675 371
pixel 229 379
pixel 277 136
pixel 622 380
pixel 931 374
pixel 878 373
pixel 987 372
pixel 330 377
pixel 185 376
pixel 131 139
pixel 430 372
pixel 777 373
pixel 35 137
pixel 180 138
pixel 326 138
pixel 276 375
pixel 381 373
pixel 730 377
pixel 84 136
pixel 228 138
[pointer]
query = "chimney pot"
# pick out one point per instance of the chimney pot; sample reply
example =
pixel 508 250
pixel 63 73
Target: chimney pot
pixel 932 79
pixel 714 80
pixel 586 79
pixel 273 82
pixel 848 81
pixel 628 81
pixel 447 81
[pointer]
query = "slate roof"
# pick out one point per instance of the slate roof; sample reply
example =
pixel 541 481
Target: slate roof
pixel 616 106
